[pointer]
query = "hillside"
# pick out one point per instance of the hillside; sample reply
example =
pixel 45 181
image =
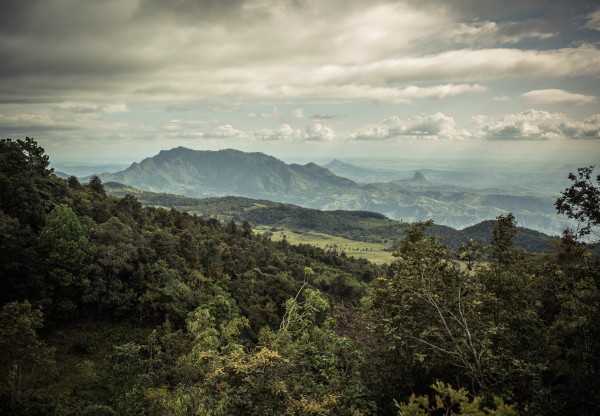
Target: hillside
pixel 354 225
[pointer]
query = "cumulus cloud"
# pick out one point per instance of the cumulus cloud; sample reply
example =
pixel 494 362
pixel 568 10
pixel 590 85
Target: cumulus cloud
pixel 428 126
pixel 284 132
pixel 589 128
pixel 318 132
pixel 298 113
pixel 536 125
pixel 557 96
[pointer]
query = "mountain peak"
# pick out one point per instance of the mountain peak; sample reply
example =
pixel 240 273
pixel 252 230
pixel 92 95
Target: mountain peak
pixel 419 177
pixel 336 163
pixel 229 172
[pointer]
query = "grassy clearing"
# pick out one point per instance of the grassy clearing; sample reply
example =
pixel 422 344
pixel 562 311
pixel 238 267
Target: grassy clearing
pixel 374 252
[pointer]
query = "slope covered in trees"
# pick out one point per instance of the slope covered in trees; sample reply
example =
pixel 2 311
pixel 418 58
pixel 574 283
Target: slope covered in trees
pixel 108 307
pixel 354 225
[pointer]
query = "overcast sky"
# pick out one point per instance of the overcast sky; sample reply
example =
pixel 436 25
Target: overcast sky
pixel 119 80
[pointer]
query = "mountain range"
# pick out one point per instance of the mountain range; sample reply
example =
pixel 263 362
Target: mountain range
pixel 229 172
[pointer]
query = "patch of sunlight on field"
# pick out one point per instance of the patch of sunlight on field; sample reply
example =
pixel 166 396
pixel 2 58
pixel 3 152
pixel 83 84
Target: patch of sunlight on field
pixel 374 252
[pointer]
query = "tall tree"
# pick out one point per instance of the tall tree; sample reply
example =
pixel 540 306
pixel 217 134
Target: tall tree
pixel 581 201
pixel 66 246
pixel 503 235
pixel 23 176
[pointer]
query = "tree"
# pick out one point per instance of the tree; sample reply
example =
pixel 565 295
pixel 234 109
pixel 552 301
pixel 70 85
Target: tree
pixel 428 317
pixel 581 201
pixel 503 235
pixel 66 246
pixel 18 264
pixel 74 183
pixel 24 175
pixel 23 357
pixel 302 368
pixel 95 184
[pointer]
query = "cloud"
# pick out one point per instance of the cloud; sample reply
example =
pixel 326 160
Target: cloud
pixel 530 125
pixel 284 132
pixel 527 125
pixel 502 98
pixel 557 96
pixel 32 123
pixel 593 20
pixel 470 64
pixel 77 61
pixel 223 132
pixel 318 132
pixel 536 125
pixel 427 126
pixel 323 116
pixel 273 113
pixel 244 49
pixel 392 94
pixel 589 128
pixel 89 107
pixel 492 33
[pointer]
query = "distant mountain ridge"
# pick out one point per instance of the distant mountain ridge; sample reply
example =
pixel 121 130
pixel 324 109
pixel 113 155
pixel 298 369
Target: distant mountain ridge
pixel 226 172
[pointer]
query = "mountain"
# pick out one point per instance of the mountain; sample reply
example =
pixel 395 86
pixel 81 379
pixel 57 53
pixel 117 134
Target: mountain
pixel 228 172
pixel 259 176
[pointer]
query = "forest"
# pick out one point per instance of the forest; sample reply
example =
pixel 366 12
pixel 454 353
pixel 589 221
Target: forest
pixel 109 307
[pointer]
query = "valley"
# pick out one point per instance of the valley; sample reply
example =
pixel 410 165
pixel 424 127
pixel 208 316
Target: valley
pixel 312 226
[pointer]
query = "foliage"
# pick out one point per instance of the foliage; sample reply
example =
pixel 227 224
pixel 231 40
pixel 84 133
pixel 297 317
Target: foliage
pixel 66 247
pixel 24 359
pixel 491 328
pixel 449 401
pixel 503 234
pixel 302 368
pixel 581 201
pixel 23 180
pixel 431 313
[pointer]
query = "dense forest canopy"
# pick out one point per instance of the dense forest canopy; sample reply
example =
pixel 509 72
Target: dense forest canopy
pixel 109 307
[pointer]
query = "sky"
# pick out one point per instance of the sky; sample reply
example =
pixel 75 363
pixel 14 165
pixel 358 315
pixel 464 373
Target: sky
pixel 120 80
